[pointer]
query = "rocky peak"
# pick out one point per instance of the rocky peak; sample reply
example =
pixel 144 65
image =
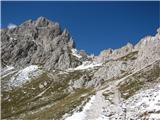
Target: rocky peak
pixel 145 51
pixel 65 33
pixel 43 22
pixel 38 42
pixel 106 53
pixel 122 51
pixel 148 50
pixel 39 23
pixel 27 23
pixel 114 54
pixel 71 43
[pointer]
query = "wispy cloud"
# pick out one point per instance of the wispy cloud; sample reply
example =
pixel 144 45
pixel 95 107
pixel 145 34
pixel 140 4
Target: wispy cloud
pixel 11 25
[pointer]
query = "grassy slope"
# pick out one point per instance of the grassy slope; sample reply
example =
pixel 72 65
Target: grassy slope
pixel 142 79
pixel 26 99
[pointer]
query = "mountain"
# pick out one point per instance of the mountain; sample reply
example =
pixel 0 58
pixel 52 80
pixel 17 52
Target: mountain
pixel 38 42
pixel 44 77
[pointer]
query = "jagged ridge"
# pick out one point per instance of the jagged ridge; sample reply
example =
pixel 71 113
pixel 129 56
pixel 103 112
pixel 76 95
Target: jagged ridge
pixel 39 42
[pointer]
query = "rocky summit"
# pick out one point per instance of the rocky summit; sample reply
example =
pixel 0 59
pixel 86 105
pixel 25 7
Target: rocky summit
pixel 44 77
pixel 38 42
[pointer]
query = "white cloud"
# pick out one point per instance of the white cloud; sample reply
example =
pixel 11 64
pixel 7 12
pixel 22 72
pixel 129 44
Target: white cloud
pixel 11 25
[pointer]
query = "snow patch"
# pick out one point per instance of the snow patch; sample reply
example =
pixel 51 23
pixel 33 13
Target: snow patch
pixel 154 116
pixel 82 115
pixel 86 65
pixel 146 101
pixel 75 53
pixel 24 75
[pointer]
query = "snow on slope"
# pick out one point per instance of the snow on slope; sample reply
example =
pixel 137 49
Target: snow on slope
pixel 75 53
pixel 154 116
pixel 96 110
pixel 93 110
pixel 145 102
pixel 24 75
pixel 82 115
pixel 86 65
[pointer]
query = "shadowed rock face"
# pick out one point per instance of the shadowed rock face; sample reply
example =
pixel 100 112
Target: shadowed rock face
pixel 38 42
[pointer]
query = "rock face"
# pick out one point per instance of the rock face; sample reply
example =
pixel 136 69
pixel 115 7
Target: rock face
pixel 128 58
pixel 149 50
pixel 39 42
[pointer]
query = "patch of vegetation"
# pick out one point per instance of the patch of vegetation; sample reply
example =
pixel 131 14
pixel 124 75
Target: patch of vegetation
pixel 108 97
pixel 143 78
pixel 106 82
pixel 83 104
pixel 129 89
pixel 130 56
pixel 148 113
pixel 151 74
pixel 62 106
pixel 106 94
pixel 107 61
pixel 27 98
pixel 19 98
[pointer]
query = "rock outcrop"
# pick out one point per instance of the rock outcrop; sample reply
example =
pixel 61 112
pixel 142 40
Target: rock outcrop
pixel 149 50
pixel 40 42
pixel 128 59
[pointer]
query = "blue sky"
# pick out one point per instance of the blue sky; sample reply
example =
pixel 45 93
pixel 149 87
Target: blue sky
pixel 93 25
